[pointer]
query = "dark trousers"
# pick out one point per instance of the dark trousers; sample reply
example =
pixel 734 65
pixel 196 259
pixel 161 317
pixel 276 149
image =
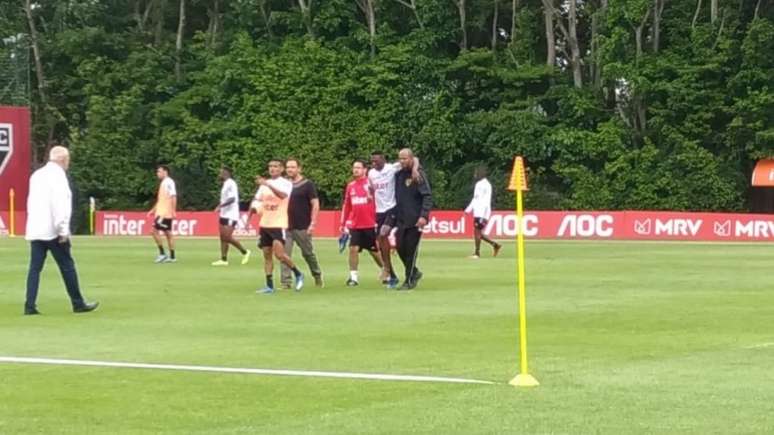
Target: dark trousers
pixel 61 253
pixel 304 241
pixel 408 250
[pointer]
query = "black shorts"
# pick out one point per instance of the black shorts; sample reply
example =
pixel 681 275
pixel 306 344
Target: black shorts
pixel 227 222
pixel 271 235
pixel 479 223
pixel 386 218
pixel 162 224
pixel 363 238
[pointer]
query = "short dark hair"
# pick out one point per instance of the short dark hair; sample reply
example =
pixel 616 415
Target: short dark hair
pixel 164 167
pixel 378 153
pixel 280 161
pixel 293 159
pixel 361 161
pixel 227 169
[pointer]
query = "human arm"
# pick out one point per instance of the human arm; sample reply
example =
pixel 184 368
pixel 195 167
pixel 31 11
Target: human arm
pixel 346 208
pixel 279 191
pixel 61 209
pixel 423 188
pixel 315 212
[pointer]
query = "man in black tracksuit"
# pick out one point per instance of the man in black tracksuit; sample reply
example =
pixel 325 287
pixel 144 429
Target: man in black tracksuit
pixel 414 201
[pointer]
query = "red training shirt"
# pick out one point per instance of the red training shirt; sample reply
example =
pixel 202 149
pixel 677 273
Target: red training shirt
pixel 359 207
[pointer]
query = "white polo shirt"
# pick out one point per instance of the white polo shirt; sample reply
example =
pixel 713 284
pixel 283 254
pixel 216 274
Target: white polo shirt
pixel 49 204
pixel 230 191
pixel 383 183
pixel 481 204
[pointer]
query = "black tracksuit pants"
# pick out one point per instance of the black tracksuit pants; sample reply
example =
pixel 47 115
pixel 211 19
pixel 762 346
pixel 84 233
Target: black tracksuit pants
pixel 408 249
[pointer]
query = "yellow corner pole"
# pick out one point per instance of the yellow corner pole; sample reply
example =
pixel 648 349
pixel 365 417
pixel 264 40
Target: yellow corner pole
pixel 92 210
pixel 11 213
pixel 519 184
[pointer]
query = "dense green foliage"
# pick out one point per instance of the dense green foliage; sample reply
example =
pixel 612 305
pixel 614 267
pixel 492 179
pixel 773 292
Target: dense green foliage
pixel 672 119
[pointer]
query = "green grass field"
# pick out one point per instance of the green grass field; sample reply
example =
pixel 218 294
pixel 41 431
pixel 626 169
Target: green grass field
pixel 624 338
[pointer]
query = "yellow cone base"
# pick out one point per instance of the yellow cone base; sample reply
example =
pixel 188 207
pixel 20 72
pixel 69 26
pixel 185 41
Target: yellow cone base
pixel 524 380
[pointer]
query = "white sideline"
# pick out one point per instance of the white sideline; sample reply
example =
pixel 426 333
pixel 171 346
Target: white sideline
pixel 759 345
pixel 270 372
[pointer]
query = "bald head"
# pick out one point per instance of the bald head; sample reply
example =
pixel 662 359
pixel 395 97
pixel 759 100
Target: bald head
pixel 406 158
pixel 60 155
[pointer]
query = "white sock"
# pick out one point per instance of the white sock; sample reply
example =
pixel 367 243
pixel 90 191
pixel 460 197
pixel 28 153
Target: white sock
pixel 353 275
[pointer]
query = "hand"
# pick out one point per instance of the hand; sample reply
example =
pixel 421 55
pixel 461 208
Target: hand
pixel 63 239
pixel 262 181
pixel 310 230
pixel 422 222
pixel 149 214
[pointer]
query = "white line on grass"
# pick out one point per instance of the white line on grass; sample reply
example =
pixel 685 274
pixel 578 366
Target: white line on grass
pixel 759 345
pixel 269 372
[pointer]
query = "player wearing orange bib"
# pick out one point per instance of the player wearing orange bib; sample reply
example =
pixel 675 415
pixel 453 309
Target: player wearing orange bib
pixel 164 212
pixel 271 204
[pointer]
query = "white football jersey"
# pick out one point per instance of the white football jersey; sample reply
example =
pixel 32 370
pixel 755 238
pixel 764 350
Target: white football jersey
pixel 383 183
pixel 229 191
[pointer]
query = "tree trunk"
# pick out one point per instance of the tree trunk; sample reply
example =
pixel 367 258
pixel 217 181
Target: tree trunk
pixel 179 42
pixel 494 24
pixel 306 13
pixel 658 9
pixel 638 33
pixel 159 22
pixel 413 6
pixel 514 17
pixel 713 11
pixel 696 14
pixel 372 25
pixel 757 10
pixel 599 16
pixel 369 10
pixel 41 78
pixel 548 16
pixel 577 74
pixel 39 74
pixel 461 6
pixel 266 17
pixel 146 15
pixel 214 26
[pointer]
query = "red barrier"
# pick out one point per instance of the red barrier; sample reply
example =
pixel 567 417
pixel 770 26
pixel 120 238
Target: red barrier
pixel 619 225
pixel 14 155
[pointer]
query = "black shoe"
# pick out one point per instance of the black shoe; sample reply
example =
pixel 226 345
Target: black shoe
pixel 352 283
pixel 86 307
pixel 31 311
pixel 417 276
pixel 407 286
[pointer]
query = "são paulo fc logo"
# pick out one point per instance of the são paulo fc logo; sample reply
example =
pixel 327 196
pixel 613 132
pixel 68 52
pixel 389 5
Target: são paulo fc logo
pixel 6 145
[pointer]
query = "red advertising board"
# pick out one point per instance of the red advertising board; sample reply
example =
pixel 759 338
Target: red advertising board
pixel 14 155
pixel 580 225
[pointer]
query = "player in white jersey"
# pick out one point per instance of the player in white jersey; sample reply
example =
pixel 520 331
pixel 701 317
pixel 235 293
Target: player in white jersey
pixel 381 178
pixel 481 208
pixel 228 217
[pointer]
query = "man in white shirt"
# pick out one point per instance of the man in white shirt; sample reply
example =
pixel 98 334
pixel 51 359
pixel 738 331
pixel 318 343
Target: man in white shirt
pixel 228 217
pixel 381 177
pixel 49 207
pixel 481 208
